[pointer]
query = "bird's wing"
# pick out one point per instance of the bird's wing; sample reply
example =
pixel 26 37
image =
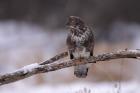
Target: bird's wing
pixel 70 43
pixel 71 46
pixel 90 42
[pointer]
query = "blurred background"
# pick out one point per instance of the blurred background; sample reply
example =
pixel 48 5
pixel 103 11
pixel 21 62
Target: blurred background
pixel 34 31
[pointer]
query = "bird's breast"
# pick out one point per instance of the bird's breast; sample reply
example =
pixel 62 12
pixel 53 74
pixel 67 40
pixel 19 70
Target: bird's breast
pixel 81 38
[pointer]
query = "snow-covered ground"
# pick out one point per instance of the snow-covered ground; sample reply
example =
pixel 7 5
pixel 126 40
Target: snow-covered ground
pixel 20 87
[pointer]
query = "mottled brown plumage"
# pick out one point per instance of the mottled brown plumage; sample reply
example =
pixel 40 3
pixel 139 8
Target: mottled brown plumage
pixel 80 42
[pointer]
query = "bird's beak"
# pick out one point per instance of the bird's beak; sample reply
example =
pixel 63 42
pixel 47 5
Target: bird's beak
pixel 70 27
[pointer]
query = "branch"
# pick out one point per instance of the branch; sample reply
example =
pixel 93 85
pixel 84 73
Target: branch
pixel 49 65
pixel 55 58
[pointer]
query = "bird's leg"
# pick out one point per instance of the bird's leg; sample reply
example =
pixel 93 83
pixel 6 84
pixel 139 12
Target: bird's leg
pixel 91 53
pixel 71 55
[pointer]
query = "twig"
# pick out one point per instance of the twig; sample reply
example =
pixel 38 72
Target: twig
pixel 33 69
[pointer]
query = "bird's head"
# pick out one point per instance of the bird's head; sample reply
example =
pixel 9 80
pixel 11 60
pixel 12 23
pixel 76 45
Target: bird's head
pixel 75 23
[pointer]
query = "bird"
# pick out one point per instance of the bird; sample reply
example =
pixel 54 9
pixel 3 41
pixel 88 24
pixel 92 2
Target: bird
pixel 80 43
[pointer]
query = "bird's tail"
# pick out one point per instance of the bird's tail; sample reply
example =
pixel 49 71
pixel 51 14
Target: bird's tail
pixel 81 71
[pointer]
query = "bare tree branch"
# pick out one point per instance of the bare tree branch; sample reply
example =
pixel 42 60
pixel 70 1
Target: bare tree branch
pixel 36 68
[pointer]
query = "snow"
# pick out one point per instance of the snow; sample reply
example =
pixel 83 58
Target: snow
pixel 129 87
pixel 30 67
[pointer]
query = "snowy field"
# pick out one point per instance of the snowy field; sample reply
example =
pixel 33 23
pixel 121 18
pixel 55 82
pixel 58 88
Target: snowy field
pixel 20 87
